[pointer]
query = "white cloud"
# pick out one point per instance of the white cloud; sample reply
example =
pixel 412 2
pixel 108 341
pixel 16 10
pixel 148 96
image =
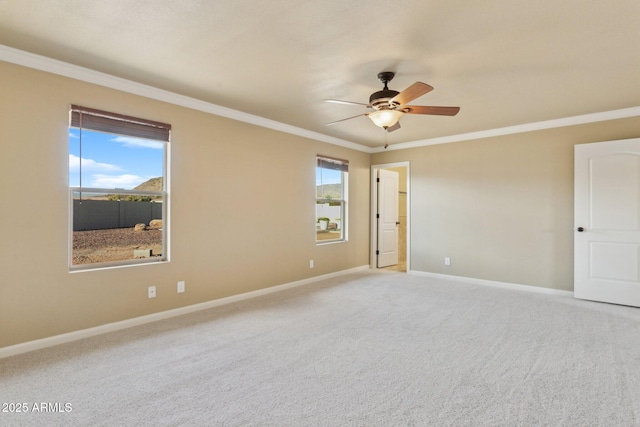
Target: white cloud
pixel 90 165
pixel 130 142
pixel 125 181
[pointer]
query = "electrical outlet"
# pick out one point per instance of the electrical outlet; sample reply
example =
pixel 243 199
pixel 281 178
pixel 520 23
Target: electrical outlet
pixel 310 263
pixel 447 260
pixel 181 286
pixel 152 291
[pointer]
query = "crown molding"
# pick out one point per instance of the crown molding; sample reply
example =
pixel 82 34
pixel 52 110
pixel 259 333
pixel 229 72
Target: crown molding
pixel 43 63
pixel 527 127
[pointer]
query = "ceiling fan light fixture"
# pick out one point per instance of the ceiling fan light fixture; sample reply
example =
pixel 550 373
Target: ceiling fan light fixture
pixel 385 118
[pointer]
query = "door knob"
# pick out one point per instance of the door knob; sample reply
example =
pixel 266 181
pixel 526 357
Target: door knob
pixel 580 229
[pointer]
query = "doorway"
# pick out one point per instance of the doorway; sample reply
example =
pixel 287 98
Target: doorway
pixel 381 234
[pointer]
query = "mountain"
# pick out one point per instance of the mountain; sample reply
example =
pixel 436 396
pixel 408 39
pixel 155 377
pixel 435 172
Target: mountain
pixel 329 191
pixel 154 184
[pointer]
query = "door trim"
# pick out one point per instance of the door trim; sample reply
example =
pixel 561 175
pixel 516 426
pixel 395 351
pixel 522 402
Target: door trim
pixel 374 203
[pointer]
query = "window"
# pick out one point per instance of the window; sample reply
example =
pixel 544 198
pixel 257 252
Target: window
pixel 118 189
pixel 331 199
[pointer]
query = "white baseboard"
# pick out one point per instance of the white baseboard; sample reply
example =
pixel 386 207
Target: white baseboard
pixel 21 348
pixel 495 284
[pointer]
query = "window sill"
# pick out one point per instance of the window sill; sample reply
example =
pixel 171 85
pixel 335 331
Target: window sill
pixel 81 268
pixel 330 242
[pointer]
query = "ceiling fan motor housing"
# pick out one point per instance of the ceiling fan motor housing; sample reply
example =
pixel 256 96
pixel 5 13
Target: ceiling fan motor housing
pixel 381 99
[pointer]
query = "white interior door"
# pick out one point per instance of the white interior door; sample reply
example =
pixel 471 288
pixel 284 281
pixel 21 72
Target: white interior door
pixel 607 222
pixel 387 218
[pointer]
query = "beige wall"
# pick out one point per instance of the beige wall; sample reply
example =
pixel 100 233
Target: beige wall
pixel 242 208
pixel 242 211
pixel 502 207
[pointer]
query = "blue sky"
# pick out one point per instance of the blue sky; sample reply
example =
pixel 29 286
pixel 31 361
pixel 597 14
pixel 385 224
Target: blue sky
pixel 328 176
pixel 113 161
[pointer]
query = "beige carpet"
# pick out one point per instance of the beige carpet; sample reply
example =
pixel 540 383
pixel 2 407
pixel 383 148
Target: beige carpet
pixel 367 349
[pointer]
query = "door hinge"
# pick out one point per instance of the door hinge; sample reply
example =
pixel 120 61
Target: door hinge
pixel 377 216
pixel 377 179
pixel 377 252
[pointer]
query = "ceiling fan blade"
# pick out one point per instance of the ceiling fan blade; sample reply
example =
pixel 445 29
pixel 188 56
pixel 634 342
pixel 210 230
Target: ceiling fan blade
pixel 437 111
pixel 342 120
pixel 412 92
pixel 394 127
pixel 337 101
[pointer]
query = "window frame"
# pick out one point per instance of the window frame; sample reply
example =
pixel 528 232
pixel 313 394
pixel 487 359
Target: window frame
pixel 344 205
pixel 163 194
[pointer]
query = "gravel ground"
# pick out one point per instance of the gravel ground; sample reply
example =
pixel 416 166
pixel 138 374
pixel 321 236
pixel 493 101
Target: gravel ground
pixel 116 244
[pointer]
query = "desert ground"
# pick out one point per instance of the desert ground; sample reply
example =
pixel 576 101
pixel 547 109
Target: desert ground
pixel 115 244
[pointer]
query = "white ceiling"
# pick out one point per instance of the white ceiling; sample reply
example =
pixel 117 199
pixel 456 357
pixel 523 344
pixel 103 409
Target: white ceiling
pixel 504 62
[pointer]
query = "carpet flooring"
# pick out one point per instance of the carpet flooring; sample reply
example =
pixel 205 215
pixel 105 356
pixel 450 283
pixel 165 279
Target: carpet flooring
pixel 365 349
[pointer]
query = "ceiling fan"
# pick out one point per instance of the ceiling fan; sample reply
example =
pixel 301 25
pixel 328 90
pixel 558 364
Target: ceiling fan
pixel 389 105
